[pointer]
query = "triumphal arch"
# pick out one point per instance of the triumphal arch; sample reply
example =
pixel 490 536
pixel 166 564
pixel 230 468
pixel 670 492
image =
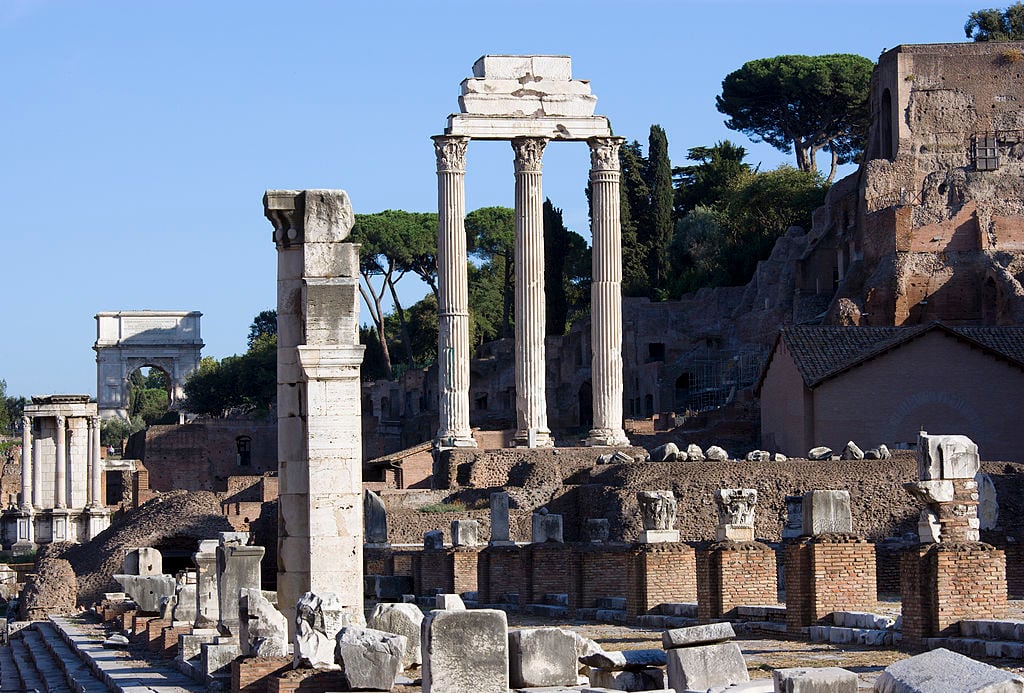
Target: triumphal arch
pixel 529 100
pixel 131 339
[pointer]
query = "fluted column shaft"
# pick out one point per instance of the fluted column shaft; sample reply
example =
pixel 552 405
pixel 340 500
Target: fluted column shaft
pixel 453 295
pixel 96 499
pixel 531 404
pixel 26 462
pixel 606 293
pixel 60 490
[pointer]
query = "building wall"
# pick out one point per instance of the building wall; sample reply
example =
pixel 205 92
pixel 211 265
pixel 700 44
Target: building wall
pixel 935 382
pixel 783 413
pixel 201 456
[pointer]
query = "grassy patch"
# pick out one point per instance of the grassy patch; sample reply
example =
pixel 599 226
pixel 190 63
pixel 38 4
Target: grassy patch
pixel 456 507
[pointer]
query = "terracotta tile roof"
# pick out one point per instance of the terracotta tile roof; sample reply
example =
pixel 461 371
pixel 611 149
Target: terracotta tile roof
pixel 820 353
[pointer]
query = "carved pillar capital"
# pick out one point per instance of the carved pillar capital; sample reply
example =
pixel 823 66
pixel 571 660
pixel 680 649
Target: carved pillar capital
pixel 528 151
pixel 61 422
pixel 26 421
pixel 283 208
pixel 604 153
pixel 451 153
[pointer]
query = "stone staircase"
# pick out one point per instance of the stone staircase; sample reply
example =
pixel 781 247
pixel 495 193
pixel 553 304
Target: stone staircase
pixel 67 655
pixel 985 638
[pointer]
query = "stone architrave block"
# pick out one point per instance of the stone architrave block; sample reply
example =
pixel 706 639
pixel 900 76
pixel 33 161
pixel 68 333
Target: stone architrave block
pixel 433 540
pixel 942 671
pixel 215 658
pixel 371 659
pixel 657 509
pixel 499 519
pixel 816 680
pixel 659 536
pixel 465 532
pixel 465 651
pixel 401 619
pixel 541 657
pixel 375 519
pixel 708 634
pixel 706 666
pixel 598 530
pixel 946 457
pixel 449 602
pixel 547 528
pixel 262 629
pixel 827 512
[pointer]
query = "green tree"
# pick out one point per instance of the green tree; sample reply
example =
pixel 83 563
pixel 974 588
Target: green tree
pixel 696 251
pixel 635 200
pixel 710 180
pixel 113 431
pixel 265 323
pixel 490 233
pixel 659 219
pixel 996 25
pixel 802 103
pixel 566 270
pixel 486 303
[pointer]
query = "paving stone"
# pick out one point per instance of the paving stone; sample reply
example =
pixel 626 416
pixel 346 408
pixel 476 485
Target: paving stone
pixel 943 671
pixel 815 680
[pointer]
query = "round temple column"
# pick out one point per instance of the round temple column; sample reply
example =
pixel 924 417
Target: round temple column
pixel 453 295
pixel 26 462
pixel 531 405
pixel 606 293
pixel 95 464
pixel 60 489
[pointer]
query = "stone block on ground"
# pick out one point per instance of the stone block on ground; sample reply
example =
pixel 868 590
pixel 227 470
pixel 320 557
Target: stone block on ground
pixel 401 619
pixel 651 679
pixel 852 452
pixel 370 659
pixel 815 680
pixel 318 618
pixel 542 657
pixel 697 635
pixel 665 453
pixel 620 660
pixel 819 453
pixel 449 602
pixel 694 452
pixel 390 588
pixel 706 666
pixel 465 651
pixel 827 512
pixel 943 671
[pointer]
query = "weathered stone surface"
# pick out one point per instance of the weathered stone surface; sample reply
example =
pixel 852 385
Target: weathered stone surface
pixel 988 503
pixel 704 667
pixel 657 509
pixel 238 568
pixel 819 453
pixel 693 452
pixel 942 671
pixel 318 618
pixel 371 659
pixel 665 453
pixel 946 457
pixel 852 452
pixel 778 457
pixel 758 456
pixel 716 454
pixel 375 519
pixel 827 512
pixel 401 619
pixel 794 517
pixel 542 657
pixel 449 602
pixel 584 647
pixel 598 529
pixel 651 679
pixel 465 532
pixel 147 590
pixel 499 518
pixel 390 588
pixel 697 635
pixel 815 680
pixel 434 539
pixel 465 651
pixel 934 491
pixel 216 658
pixel 546 528
pixel 263 630
pixel 618 660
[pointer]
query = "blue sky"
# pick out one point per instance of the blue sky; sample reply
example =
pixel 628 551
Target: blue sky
pixel 139 136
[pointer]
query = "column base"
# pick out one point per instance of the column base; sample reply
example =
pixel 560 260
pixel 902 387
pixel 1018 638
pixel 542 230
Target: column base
pixel 447 442
pixel 533 438
pixel 60 519
pixel 607 438
pixel 99 520
pixel 25 535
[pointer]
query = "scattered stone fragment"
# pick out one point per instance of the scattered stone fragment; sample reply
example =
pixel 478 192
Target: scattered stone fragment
pixel 650 679
pixel 942 671
pixel 819 453
pixel 546 527
pixel 815 680
pixel 707 666
pixel 852 452
pixel 758 456
pixel 694 452
pixel 541 657
pixel 697 635
pixel 370 659
pixel 872 454
pixel 779 457
pixel 716 454
pixel 449 602
pixel 665 453
pixel 465 651
pixel 401 619
pixel 883 452
pixel 116 640
pixel 619 660
pixel 263 630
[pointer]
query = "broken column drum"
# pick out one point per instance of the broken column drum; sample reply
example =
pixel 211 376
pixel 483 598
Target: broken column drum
pixel 529 101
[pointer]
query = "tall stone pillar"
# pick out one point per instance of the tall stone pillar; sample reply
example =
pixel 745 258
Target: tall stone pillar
pixel 531 404
pixel 26 463
pixel 606 293
pixel 60 485
pixel 453 295
pixel 320 516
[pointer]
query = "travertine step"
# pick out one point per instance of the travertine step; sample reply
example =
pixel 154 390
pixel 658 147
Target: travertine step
pixel 77 673
pixel 9 680
pixel 26 671
pixel 662 621
pixel 50 672
pixel 993 629
pixel 976 647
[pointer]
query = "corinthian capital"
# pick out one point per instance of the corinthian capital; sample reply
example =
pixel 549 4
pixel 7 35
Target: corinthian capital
pixel 451 153
pixel 604 153
pixel 529 151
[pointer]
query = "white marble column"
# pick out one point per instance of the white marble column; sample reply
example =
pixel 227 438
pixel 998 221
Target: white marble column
pixel 531 405
pixel 96 499
pixel 606 293
pixel 453 295
pixel 37 474
pixel 60 486
pixel 26 463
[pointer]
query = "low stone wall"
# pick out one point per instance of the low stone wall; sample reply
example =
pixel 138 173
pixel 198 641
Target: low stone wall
pixel 732 574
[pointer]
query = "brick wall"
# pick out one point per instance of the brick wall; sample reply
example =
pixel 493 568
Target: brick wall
pixel 1014 569
pixel 201 456
pixel 549 569
pixel 169 639
pixel 887 566
pixel 306 681
pixel 499 571
pixel 943 584
pixel 377 561
pixel 251 674
pixel 733 573
pixel 603 572
pixel 828 573
pixel 660 574
pixel 464 569
pixel 453 571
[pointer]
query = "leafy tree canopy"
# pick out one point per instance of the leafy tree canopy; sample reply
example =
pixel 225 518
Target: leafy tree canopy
pixel 801 103
pixel 996 25
pixel 708 181
pixel 265 323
